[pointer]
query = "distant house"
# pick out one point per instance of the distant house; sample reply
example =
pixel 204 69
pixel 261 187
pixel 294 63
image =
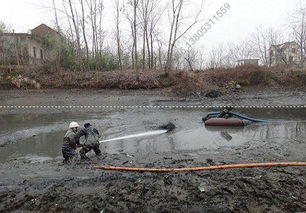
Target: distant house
pixel 33 48
pixel 286 53
pixel 248 62
pixel 44 31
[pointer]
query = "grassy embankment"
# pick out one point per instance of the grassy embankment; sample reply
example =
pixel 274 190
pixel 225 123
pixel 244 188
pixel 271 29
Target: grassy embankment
pixel 178 81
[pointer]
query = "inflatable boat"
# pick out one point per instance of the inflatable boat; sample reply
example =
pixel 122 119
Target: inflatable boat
pixel 227 118
pixel 224 122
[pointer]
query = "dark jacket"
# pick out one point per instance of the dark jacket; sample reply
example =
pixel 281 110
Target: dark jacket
pixel 92 135
pixel 72 139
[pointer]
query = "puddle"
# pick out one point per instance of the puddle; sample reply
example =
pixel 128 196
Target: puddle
pixel 39 138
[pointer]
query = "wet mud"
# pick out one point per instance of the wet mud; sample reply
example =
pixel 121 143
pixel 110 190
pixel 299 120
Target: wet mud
pixel 34 179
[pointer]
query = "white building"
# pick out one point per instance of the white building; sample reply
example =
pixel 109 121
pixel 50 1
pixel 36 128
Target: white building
pixel 286 53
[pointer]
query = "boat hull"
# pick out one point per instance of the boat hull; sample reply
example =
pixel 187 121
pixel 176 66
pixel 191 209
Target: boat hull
pixel 224 122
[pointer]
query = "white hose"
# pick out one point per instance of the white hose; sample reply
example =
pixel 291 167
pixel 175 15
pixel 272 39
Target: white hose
pixel 157 132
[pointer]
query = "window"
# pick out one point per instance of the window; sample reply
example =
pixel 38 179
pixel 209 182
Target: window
pixel 41 54
pixel 34 52
pixel 293 50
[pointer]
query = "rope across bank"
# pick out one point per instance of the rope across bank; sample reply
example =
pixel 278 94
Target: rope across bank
pixel 206 168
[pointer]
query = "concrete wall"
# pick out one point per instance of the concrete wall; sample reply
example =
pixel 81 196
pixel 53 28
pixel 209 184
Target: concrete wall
pixel 248 62
pixel 24 44
pixel 53 40
pixel 8 49
pixel 36 52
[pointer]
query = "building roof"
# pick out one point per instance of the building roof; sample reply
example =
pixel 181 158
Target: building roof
pixel 42 28
pixel 36 33
pixel 283 45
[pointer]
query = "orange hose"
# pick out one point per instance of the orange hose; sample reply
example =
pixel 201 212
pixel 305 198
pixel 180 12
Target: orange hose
pixel 217 167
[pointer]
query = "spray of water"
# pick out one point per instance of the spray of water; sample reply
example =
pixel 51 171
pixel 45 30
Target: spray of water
pixel 157 132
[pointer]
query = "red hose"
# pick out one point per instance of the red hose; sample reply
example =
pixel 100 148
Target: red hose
pixel 217 167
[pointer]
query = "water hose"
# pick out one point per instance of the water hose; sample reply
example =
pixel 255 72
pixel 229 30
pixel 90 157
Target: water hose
pixel 161 130
pixel 156 132
pixel 239 116
pixel 248 118
pixel 217 167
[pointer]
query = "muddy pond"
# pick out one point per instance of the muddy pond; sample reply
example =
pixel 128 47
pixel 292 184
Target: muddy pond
pixel 34 179
pixel 40 136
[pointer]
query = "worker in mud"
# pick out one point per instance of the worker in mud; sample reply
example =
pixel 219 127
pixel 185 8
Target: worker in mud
pixel 71 143
pixel 91 141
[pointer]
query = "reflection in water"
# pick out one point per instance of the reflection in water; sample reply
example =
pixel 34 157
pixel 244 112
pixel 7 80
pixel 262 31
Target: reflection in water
pixel 44 145
pixel 227 136
pixel 49 144
pixel 190 134
pixel 288 130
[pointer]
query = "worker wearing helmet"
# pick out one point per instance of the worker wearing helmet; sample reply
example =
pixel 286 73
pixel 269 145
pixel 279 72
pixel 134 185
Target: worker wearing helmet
pixel 71 142
pixel 91 141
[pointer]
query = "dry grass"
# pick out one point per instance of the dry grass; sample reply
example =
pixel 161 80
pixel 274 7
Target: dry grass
pixel 177 81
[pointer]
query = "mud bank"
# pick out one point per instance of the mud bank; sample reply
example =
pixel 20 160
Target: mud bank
pixel 174 82
pixel 251 96
pixel 76 188
pixel 34 179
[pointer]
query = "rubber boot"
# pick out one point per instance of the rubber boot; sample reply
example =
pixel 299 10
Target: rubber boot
pixel 83 154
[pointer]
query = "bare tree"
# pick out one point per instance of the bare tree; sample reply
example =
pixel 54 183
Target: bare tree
pixel 155 14
pixel 84 19
pixel 135 5
pixel 202 60
pixel 117 20
pixel 261 42
pixel 84 29
pixel 160 52
pixel 93 20
pixel 298 25
pixel 143 10
pixel 216 57
pixel 68 19
pixel 75 24
pixel 55 16
pixel 101 34
pixel 261 45
pixel 242 50
pixel 95 16
pixel 131 25
pixel 150 15
pixel 74 29
pixel 190 57
pixel 176 32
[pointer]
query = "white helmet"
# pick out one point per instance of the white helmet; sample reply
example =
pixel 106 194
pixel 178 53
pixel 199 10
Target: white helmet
pixel 73 125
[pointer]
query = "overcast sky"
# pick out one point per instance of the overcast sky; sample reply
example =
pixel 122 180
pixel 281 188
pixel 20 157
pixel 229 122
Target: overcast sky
pixel 241 20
